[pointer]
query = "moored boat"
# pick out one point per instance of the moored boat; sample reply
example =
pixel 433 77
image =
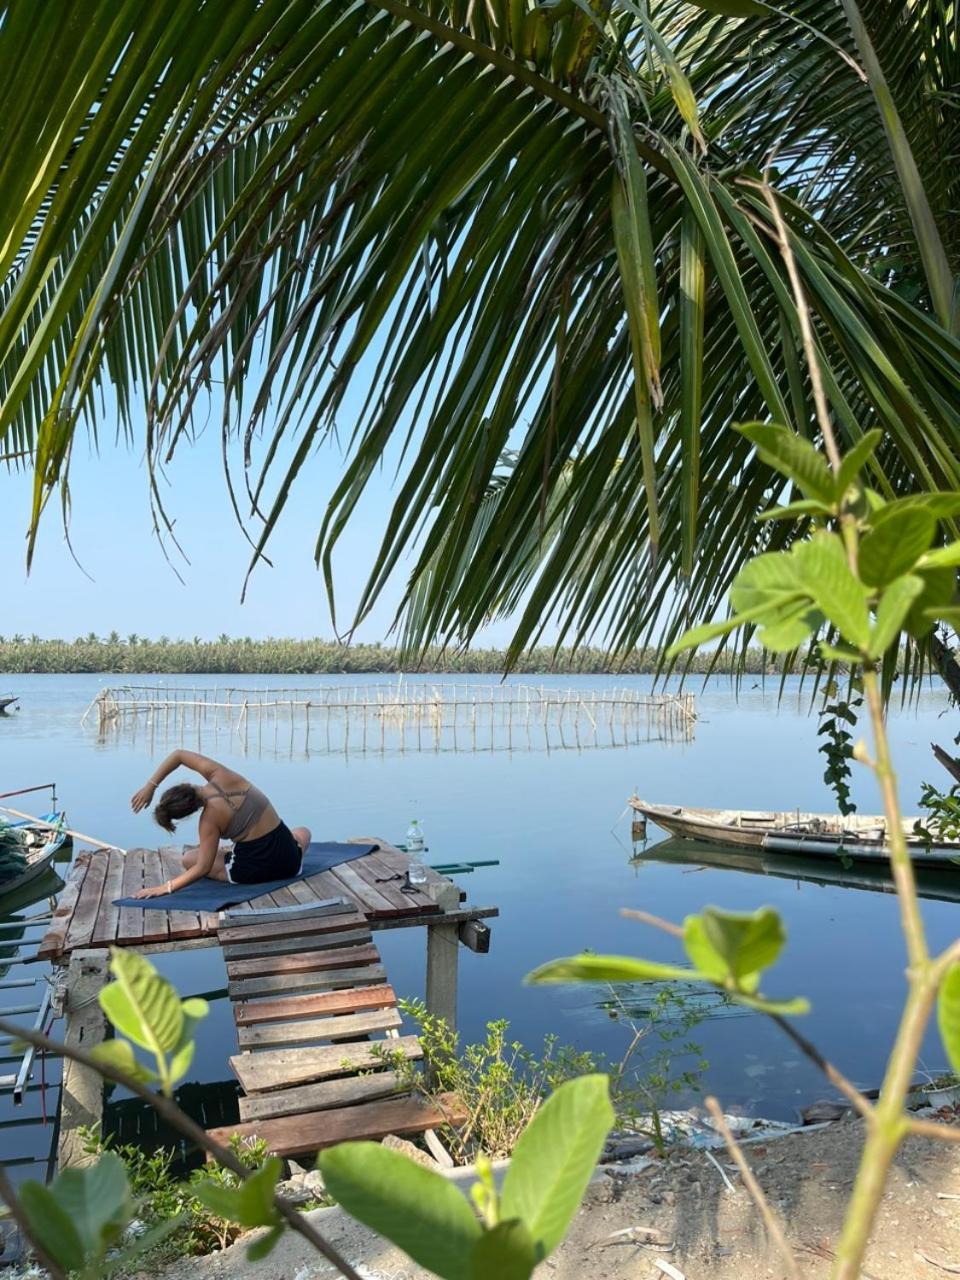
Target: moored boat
pixel 856 836
pixel 7 702
pixel 37 845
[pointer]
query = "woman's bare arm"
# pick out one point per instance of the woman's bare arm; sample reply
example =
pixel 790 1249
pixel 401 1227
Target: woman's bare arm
pixel 206 855
pixel 175 760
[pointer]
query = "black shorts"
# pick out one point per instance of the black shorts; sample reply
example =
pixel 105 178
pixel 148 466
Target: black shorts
pixel 275 856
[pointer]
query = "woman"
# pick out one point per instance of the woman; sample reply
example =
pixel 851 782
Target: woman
pixel 264 847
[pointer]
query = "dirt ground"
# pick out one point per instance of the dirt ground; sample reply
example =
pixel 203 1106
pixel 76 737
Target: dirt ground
pixel 680 1213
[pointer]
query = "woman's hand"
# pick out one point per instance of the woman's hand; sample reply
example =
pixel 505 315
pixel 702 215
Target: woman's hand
pixel 140 799
pixel 158 891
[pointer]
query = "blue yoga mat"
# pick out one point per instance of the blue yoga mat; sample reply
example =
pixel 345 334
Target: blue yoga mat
pixel 214 895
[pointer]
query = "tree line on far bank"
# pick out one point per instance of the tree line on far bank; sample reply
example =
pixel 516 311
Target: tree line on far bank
pixel 139 655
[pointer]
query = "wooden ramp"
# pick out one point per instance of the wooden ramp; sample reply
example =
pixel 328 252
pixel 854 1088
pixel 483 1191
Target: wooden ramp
pixel 318 1032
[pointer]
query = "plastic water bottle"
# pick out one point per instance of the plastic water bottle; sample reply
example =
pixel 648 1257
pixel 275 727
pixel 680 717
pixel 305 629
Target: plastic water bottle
pixel 415 842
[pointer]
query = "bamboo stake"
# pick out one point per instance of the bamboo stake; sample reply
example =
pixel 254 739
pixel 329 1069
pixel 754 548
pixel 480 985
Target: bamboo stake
pixel 54 826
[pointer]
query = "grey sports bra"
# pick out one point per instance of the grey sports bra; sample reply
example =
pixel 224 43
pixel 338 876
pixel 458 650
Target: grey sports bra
pixel 251 808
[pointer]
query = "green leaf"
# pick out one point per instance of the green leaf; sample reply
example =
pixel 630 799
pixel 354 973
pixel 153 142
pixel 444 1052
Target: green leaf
pixel 791 630
pixel 826 575
pixel 555 1158
pixel 418 1210
pixel 119 1054
pixel 939 592
pixel 706 960
pixel 98 1202
pixel 259 1249
pixel 141 1005
pixel 894 543
pixel 838 652
pixel 854 461
pixel 52 1225
pixel 892 611
pixel 783 1008
pixel 942 557
pixel 692 316
pixel 794 457
pixel 506 1252
pixel 194 1009
pixel 222 1201
pixel 697 636
pixel 599 968
pixel 256 1192
pixel 767 582
pixel 791 510
pixel 948 1015
pixel 733 8
pixel 748 942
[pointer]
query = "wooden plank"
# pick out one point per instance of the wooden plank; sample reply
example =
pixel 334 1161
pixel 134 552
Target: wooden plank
pixel 297 911
pixel 52 942
pixel 372 901
pixel 383 869
pixel 372 1121
pixel 324 884
pixel 323 980
pixel 475 936
pixel 85 914
pixel 183 924
pixel 156 924
pixel 108 917
pixel 321 1097
pixel 283 1068
pixel 446 917
pixel 280 928
pixel 286 946
pixel 248 1013
pixel 81 1090
pixel 333 957
pixel 266 1035
pixel 131 922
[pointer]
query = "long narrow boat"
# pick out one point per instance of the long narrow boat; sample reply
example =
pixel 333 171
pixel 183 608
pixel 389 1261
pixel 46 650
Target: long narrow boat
pixel 39 845
pixel 856 836
pixel 6 702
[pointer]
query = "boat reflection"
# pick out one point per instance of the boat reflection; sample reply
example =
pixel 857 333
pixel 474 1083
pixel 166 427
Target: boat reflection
pixel 932 882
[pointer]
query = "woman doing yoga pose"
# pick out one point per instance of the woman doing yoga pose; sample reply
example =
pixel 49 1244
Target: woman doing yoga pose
pixel 231 808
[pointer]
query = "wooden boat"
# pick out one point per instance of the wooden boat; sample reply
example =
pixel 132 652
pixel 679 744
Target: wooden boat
pixel 856 836
pixel 7 702
pixel 41 844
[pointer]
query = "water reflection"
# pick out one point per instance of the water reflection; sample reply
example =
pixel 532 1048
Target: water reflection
pixel 937 883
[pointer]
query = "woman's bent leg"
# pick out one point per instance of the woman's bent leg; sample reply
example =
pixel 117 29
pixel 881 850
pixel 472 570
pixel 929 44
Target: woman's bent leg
pixel 217 872
pixel 302 837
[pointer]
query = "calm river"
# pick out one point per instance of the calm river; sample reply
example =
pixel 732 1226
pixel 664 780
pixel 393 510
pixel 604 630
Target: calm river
pixel 555 821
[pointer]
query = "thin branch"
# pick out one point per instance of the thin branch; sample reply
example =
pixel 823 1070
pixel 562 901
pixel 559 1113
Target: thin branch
pixel 177 1119
pixel 836 1078
pixel 9 1197
pixel 630 913
pixel 933 1129
pixel 753 1186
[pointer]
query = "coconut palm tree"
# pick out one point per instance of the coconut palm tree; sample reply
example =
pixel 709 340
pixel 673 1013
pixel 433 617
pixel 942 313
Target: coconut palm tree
pixel 540 245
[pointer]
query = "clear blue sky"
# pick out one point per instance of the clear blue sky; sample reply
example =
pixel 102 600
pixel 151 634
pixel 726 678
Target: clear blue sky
pixel 135 590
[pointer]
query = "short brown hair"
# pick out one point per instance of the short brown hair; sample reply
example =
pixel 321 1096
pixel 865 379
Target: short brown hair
pixel 177 802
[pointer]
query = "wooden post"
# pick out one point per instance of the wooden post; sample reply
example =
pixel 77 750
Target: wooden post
pixel 81 1094
pixel 443 944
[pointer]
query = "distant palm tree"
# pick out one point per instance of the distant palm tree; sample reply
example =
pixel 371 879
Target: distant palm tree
pixel 525 241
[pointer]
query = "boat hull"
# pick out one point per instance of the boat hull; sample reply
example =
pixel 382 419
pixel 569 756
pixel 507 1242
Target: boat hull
pixel 771 833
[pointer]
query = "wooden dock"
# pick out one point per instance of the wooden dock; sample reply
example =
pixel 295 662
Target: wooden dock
pixel 318 1028
pixel 318 1033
